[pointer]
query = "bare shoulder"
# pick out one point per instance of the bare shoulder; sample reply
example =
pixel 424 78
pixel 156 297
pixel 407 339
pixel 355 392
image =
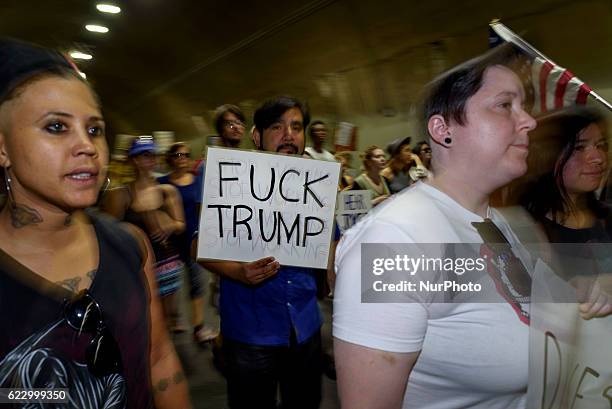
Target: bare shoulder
pixel 387 172
pixel 169 189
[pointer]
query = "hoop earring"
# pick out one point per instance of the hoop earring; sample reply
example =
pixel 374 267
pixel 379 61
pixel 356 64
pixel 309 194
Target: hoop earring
pixel 9 191
pixel 106 185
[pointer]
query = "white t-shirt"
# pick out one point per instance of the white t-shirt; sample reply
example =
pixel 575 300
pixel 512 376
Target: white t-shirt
pixel 473 355
pixel 325 155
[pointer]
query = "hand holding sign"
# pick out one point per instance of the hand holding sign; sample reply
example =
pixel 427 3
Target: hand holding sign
pixel 595 295
pixel 257 271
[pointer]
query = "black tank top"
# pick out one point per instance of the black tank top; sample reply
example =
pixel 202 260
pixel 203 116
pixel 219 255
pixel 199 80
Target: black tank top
pixel 32 333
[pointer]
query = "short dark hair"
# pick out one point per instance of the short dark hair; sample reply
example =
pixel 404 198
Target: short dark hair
pixel 23 63
pixel 448 94
pixel 220 112
pixel 551 146
pixel 271 110
pixel 316 122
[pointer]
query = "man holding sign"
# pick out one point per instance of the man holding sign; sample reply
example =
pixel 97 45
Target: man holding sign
pixel 270 319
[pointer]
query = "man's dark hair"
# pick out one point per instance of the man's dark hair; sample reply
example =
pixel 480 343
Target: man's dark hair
pixel 220 113
pixel 448 94
pixel 317 122
pixel 273 109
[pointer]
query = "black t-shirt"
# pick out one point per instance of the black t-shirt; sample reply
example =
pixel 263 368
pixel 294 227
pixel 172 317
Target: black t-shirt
pixel 38 349
pixel 580 252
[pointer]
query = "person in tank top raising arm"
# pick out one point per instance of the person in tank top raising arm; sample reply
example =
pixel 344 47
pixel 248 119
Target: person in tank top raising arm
pixel 88 317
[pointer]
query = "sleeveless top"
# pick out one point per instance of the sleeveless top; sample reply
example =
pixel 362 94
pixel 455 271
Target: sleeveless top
pixel 361 182
pixel 37 348
pixel 400 181
pixel 192 198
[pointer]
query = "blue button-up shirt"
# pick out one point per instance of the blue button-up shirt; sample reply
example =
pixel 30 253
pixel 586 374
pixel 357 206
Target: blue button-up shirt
pixel 264 314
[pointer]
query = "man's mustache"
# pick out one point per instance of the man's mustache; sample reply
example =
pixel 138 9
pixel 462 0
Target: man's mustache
pixel 289 146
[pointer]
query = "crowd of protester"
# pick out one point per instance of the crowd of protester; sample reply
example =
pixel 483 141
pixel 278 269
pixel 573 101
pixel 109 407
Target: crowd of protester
pixel 90 295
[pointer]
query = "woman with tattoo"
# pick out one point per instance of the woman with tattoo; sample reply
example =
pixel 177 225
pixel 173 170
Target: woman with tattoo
pixel 77 291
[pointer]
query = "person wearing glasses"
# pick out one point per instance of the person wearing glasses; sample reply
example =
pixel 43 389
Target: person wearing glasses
pixel 230 126
pixel 189 187
pixel 424 353
pixel 77 290
pixel 423 151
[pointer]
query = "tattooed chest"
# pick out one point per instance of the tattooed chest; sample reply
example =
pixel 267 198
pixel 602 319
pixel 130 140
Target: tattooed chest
pixel 78 283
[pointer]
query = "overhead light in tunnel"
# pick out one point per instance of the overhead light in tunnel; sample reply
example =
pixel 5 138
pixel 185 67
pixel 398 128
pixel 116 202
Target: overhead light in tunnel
pixel 96 28
pixel 77 55
pixel 108 8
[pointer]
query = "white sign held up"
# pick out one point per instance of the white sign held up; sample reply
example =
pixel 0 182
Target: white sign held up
pixel 352 206
pixel 570 359
pixel 258 204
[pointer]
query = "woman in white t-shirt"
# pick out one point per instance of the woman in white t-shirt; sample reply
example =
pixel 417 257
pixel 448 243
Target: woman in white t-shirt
pixel 423 353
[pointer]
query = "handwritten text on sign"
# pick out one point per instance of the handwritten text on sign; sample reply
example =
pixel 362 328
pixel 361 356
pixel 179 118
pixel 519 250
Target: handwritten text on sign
pixel 259 204
pixel 352 206
pixel 570 359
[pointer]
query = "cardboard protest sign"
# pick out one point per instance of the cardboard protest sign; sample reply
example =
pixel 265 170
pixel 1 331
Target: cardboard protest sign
pixel 258 204
pixel 345 137
pixel 570 359
pixel 352 206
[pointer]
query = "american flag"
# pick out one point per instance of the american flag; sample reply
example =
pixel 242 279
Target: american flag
pixel 554 87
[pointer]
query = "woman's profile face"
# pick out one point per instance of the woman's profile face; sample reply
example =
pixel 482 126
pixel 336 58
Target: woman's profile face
pixel 378 161
pixel 405 154
pixel 53 140
pixel 492 144
pixel 588 163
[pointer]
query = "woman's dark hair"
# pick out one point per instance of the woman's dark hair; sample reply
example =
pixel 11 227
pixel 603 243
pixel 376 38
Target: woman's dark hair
pixel 552 144
pixel 22 63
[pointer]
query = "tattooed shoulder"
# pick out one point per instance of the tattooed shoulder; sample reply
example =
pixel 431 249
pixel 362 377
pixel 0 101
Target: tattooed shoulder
pixel 164 383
